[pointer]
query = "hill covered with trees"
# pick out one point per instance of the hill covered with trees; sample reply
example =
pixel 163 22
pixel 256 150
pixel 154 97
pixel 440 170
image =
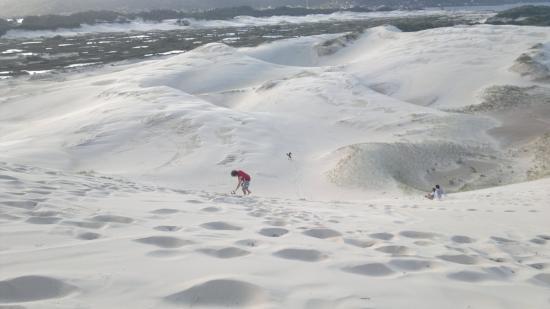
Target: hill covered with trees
pixel 18 8
pixel 525 15
pixel 75 20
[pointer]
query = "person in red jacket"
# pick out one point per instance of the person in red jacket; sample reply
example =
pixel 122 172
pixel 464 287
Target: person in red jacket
pixel 244 181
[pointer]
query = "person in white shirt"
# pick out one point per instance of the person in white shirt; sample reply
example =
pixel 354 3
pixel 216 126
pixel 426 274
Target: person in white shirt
pixel 438 193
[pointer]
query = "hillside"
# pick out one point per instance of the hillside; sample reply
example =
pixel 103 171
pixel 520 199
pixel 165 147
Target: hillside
pixel 11 8
pixel 530 15
pixel 115 186
pixel 379 104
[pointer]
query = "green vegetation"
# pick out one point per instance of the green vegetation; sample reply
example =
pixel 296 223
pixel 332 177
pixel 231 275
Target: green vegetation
pixel 53 22
pixel 528 15
pixel 4 26
pixel 228 13
pixel 47 22
pixel 57 53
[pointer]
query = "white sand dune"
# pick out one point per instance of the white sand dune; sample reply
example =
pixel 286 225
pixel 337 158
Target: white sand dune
pixel 378 102
pixel 112 180
pixel 488 247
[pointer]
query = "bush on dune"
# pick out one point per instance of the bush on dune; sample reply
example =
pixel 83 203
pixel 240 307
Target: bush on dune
pixel 52 22
pixel 525 15
pixel 4 26
pixel 48 22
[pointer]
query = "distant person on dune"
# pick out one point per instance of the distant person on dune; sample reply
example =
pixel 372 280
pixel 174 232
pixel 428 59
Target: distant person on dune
pixel 243 181
pixel 438 192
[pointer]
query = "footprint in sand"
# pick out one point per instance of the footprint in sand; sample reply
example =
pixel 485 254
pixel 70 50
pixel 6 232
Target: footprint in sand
pixel 164 241
pixel 45 213
pixel 78 192
pixel 539 266
pixel 43 220
pixel 499 272
pixel 39 192
pixel 225 253
pixel 359 243
pixel 258 213
pixel 306 255
pixel 165 253
pixel 89 236
pixel 33 288
pixel 222 226
pixel 8 178
pixel 211 209
pixel 418 235
pixel 424 243
pixel 273 232
pixel 460 259
pixel 220 293
pixel 112 219
pixel 167 228
pixel 248 242
pixel 394 250
pixel 21 204
pixel 276 222
pixel 538 241
pixel 164 211
pixel 382 236
pixel 322 233
pixel 85 224
pixel 370 269
pixel 411 265
pixel 462 239
pixel 469 276
pixel 502 240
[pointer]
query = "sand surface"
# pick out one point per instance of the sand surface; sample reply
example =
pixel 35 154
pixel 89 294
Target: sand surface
pixel 114 182
pixel 80 241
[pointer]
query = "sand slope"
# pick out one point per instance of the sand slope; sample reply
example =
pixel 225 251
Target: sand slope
pixel 92 241
pixel 113 182
pixel 366 97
